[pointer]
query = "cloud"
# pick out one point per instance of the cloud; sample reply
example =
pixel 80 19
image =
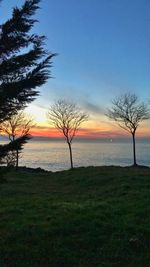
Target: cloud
pixel 82 132
pixel 93 108
pixel 40 106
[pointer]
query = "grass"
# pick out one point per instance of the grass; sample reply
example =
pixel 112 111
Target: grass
pixel 88 217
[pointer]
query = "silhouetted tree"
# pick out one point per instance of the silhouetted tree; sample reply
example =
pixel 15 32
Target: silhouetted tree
pixel 24 63
pixel 18 125
pixel 129 113
pixel 67 118
pixel 12 146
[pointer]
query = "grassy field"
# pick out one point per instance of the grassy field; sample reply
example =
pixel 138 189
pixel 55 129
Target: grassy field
pixel 88 217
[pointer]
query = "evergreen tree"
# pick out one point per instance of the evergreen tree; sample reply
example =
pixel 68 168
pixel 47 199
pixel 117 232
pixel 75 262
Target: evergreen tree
pixel 24 64
pixel 12 146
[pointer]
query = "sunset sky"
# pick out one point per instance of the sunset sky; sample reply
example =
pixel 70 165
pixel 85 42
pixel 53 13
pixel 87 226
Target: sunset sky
pixel 103 51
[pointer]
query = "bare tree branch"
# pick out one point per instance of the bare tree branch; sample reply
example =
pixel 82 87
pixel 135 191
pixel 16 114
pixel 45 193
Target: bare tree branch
pixel 67 118
pixel 17 126
pixel 128 112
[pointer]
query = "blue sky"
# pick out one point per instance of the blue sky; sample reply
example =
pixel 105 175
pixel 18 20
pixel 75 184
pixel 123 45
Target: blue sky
pixel 103 47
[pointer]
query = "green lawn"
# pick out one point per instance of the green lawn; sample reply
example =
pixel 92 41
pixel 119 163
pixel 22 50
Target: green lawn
pixel 88 217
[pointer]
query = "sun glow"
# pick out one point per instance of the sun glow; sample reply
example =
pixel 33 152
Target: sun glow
pixel 95 127
pixel 39 114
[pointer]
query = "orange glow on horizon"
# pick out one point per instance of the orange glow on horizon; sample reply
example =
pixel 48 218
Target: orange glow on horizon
pixel 98 126
pixel 108 132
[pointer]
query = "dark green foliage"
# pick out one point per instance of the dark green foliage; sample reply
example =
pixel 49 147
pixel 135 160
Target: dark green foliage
pixel 88 217
pixel 2 175
pixel 24 63
pixel 13 146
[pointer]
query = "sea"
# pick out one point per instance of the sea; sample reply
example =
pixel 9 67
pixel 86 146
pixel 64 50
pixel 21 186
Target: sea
pixel 53 154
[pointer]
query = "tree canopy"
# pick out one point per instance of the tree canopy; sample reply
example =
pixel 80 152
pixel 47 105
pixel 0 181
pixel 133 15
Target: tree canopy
pixel 67 118
pixel 24 62
pixel 129 112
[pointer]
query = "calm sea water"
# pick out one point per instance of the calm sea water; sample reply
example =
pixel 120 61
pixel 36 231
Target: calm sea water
pixel 54 155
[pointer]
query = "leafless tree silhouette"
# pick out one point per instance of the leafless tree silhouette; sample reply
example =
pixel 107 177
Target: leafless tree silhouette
pixel 17 126
pixel 129 112
pixel 66 117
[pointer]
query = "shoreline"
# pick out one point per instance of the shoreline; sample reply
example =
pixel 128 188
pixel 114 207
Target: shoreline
pixel 24 169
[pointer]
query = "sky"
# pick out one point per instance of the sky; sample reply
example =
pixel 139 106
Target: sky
pixel 103 51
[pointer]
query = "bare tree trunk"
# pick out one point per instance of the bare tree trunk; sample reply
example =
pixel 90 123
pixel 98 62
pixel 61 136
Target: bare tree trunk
pixel 17 159
pixel 70 150
pixel 134 152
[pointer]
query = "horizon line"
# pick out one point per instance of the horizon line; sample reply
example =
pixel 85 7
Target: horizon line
pixel 109 138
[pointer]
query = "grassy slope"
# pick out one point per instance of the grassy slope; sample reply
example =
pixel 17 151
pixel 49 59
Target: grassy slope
pixel 89 217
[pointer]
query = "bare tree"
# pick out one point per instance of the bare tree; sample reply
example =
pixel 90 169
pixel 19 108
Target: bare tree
pixel 17 126
pixel 129 113
pixel 67 118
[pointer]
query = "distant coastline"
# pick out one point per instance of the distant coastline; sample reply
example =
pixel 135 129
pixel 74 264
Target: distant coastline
pixel 84 139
